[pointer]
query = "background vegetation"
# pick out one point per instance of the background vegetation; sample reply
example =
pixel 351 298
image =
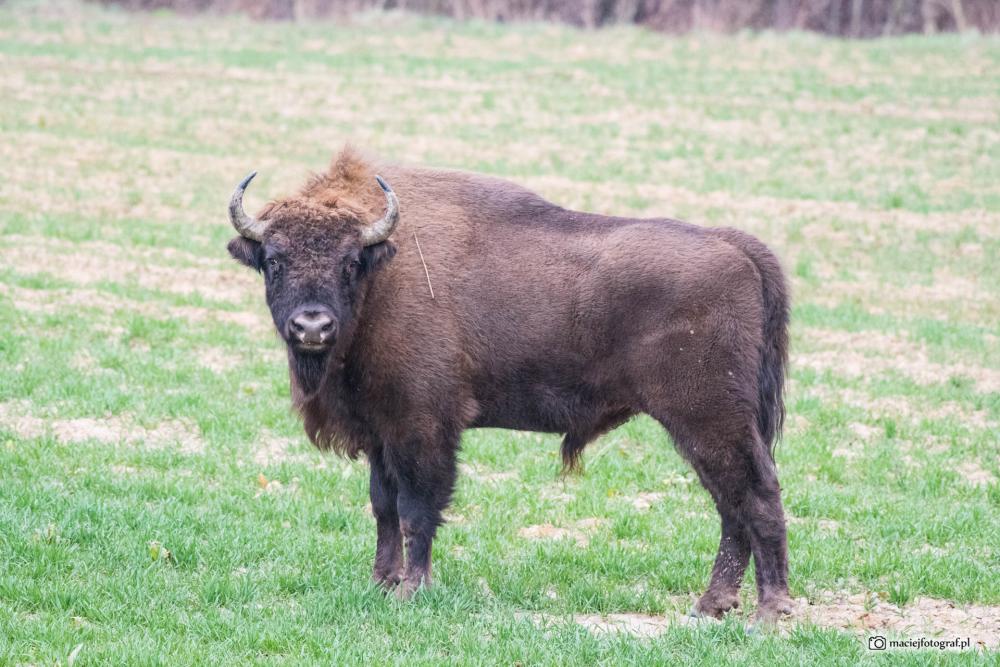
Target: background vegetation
pixel 160 505
pixel 849 18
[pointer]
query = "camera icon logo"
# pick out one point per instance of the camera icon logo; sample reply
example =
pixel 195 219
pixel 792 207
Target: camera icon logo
pixel 876 643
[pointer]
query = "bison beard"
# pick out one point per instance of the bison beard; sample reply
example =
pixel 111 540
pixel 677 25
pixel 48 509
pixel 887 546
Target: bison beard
pixel 542 319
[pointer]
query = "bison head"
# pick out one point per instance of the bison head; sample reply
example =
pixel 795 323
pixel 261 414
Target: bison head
pixel 316 261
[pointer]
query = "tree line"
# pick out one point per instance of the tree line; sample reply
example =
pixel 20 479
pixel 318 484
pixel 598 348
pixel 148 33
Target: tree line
pixel 845 18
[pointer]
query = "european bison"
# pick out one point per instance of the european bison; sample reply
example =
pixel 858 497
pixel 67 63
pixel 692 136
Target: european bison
pixel 454 301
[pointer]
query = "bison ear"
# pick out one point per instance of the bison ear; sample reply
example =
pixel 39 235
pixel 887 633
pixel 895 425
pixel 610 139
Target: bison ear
pixel 246 252
pixel 374 257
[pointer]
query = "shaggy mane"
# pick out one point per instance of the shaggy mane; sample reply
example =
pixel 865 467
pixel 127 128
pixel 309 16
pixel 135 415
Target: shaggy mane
pixel 346 192
pixel 326 414
pixel 348 188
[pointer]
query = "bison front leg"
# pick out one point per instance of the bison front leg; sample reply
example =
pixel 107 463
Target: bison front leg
pixel 425 487
pixel 388 568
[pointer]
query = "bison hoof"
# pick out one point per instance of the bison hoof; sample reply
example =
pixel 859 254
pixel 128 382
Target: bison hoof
pixel 387 580
pixel 409 586
pixel 771 609
pixel 713 604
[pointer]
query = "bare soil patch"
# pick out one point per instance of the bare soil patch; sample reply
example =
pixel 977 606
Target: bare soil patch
pixel 666 199
pixel 479 473
pixel 178 434
pixel 644 501
pixel 645 626
pixel 826 525
pixel 868 353
pixel 859 614
pixel 55 301
pixel 274 449
pixel 93 262
pixel 218 360
pixel 923 617
pixel 580 531
pixel 975 474
pixel 948 294
pixel 903 408
pixel 557 494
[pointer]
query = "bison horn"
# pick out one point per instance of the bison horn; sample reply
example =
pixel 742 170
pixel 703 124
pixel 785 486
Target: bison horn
pixel 246 225
pixel 380 230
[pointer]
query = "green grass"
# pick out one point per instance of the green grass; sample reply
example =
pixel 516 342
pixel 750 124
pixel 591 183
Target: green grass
pixel 143 396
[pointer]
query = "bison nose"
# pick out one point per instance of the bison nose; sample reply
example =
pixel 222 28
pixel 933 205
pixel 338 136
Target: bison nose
pixel 312 326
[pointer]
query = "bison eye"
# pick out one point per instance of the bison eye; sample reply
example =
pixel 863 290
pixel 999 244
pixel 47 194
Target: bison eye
pixel 272 262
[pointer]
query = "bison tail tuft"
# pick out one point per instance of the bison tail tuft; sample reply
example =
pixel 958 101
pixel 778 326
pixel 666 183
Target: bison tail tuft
pixel 572 450
pixel 774 347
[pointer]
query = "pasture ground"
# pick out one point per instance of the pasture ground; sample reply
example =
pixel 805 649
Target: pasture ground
pixel 159 504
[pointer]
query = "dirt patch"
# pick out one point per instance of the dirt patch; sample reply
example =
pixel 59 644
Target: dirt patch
pixel 666 199
pixel 868 353
pixel 55 301
pixel 178 434
pixel 975 474
pixel 90 262
pixel 947 296
pixel 902 407
pixel 861 434
pixel 16 417
pixel 796 424
pixel 217 359
pixel 644 501
pixel 558 495
pixel 864 431
pixel 916 111
pixel 937 552
pixel 845 453
pixel 645 626
pixel 580 531
pixel 478 473
pixel 259 325
pixel 275 449
pixel 85 362
pixel 859 614
pixel 825 525
pixel 105 183
pixel 923 617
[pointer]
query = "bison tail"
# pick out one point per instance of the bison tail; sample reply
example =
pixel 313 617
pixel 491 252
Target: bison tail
pixel 774 347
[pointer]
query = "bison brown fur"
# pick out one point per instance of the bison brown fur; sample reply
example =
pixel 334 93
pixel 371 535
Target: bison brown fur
pixel 541 319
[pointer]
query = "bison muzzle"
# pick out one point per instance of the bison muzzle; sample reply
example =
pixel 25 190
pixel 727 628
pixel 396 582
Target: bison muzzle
pixel 451 301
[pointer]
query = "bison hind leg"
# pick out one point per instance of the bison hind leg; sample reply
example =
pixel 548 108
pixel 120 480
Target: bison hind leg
pixel 735 466
pixel 586 431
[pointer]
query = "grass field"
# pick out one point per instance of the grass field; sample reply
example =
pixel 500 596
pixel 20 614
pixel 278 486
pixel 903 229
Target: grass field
pixel 159 503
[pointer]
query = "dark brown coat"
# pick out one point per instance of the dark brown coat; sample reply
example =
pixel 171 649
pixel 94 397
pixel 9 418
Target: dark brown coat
pixel 541 319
